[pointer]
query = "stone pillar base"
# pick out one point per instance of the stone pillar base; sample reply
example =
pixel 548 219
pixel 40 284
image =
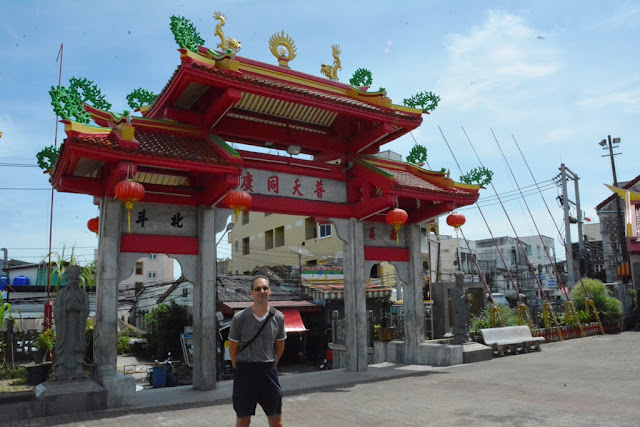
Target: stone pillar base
pixel 68 397
pixel 121 389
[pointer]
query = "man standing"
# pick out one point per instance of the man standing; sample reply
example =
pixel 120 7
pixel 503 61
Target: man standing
pixel 256 343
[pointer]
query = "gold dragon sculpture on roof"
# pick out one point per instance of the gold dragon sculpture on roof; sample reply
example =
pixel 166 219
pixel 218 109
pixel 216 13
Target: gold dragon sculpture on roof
pixel 331 71
pixel 225 42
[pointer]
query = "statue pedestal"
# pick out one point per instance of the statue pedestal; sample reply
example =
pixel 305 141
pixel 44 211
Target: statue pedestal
pixel 68 397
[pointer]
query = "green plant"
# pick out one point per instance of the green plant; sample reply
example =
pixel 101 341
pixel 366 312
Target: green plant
pixel 46 341
pixel 123 344
pixel 361 77
pixel 418 154
pixel 140 97
pixel 60 264
pixel 483 320
pixel 478 176
pixel 47 157
pixel 164 325
pixel 427 101
pixel 185 33
pixel 608 307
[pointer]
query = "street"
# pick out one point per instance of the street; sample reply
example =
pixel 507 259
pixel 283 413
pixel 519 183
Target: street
pixel 587 381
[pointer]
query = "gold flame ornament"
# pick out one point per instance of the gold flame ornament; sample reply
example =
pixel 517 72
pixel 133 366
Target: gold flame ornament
pixel 283 48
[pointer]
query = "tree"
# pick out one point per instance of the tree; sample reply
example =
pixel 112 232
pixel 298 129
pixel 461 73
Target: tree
pixel 164 325
pixel 608 307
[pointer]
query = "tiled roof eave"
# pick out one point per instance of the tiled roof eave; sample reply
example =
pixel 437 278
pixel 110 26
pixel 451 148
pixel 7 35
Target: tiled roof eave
pixel 256 80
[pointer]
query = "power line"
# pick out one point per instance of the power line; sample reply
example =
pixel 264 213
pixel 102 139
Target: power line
pixel 26 188
pixel 18 165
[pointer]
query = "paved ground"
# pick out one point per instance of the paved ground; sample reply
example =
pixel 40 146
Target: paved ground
pixel 588 381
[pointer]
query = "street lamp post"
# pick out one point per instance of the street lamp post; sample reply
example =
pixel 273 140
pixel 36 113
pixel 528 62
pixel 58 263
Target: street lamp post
pixel 609 144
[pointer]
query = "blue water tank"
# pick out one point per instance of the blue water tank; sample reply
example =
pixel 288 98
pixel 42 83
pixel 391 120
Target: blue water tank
pixel 4 282
pixel 21 281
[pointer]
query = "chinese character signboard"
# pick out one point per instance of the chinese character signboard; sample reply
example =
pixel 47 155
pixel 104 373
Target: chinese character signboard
pixel 158 219
pixel 301 187
pixel 379 234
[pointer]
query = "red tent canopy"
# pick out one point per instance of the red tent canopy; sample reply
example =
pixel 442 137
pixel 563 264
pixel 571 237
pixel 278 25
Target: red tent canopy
pixel 293 321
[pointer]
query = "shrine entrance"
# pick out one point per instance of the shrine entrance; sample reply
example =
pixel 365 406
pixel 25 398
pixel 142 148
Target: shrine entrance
pixel 180 151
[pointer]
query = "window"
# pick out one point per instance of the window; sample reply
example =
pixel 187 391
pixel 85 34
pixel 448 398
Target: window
pixel 245 246
pixel 235 246
pixel 325 230
pixel 268 239
pixel 279 237
pixel 153 257
pixel 139 267
pixel 528 249
pixel 151 275
pixel 185 292
pixel 310 229
pixel 245 217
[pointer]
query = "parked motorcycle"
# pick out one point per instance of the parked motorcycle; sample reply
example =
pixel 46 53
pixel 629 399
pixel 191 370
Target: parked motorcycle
pixel 162 374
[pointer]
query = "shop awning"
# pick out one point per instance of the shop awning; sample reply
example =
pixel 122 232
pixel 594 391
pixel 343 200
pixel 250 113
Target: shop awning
pixel 293 321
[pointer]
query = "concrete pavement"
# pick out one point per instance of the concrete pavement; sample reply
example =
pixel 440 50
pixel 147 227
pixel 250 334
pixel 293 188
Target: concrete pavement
pixel 587 381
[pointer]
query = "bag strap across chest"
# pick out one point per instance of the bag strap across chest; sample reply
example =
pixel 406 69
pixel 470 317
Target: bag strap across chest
pixel 272 312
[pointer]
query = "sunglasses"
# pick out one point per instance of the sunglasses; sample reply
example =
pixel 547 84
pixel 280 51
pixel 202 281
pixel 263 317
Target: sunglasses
pixel 261 288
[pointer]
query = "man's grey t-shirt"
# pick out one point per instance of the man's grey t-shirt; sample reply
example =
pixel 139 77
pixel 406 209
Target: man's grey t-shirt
pixel 244 326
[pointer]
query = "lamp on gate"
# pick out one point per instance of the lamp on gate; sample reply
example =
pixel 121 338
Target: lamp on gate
pixel 294 150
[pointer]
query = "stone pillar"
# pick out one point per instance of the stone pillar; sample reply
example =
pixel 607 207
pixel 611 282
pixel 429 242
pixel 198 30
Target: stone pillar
pixel 410 274
pixel 351 233
pixel 105 331
pixel 205 333
pixel 460 307
pixel 439 296
pixel 120 388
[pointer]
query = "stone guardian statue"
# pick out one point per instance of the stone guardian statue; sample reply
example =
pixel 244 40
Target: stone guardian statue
pixel 70 311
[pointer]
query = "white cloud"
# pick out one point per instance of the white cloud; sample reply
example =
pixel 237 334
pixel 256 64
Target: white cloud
pixel 626 15
pixel 623 95
pixel 502 55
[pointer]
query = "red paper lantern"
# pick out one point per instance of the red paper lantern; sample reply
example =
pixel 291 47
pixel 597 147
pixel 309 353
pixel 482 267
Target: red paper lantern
pixel 238 200
pixel 94 225
pixel 456 220
pixel 129 191
pixel 397 217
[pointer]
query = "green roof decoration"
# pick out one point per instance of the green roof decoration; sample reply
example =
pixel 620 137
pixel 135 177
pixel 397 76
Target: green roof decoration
pixel 139 97
pixel 478 176
pixel 418 154
pixel 47 157
pixel 68 102
pixel 361 77
pixel 428 101
pixel 185 33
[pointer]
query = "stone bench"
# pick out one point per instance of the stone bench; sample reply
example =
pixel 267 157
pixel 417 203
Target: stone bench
pixel 513 339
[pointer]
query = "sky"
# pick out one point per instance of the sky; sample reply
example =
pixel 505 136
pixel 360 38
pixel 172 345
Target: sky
pixel 557 77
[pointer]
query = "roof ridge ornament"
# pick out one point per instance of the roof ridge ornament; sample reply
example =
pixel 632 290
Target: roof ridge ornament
pixel 331 71
pixel 228 43
pixel 283 48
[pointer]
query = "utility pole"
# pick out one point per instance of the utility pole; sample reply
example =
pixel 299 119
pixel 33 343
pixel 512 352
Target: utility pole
pixel 608 144
pixel 565 175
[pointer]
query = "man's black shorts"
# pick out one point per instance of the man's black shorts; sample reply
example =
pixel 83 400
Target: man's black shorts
pixel 253 383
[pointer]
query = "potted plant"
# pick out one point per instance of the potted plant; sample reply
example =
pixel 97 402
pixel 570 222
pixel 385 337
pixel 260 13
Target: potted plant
pixel 386 331
pixel 45 343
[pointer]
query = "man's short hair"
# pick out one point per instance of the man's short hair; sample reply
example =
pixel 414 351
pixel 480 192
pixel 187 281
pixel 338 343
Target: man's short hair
pixel 253 283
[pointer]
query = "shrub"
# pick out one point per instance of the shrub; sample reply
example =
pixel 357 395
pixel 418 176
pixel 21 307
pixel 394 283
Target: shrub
pixel 123 344
pixel 164 325
pixel 46 341
pixel 608 307
pixel 483 320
